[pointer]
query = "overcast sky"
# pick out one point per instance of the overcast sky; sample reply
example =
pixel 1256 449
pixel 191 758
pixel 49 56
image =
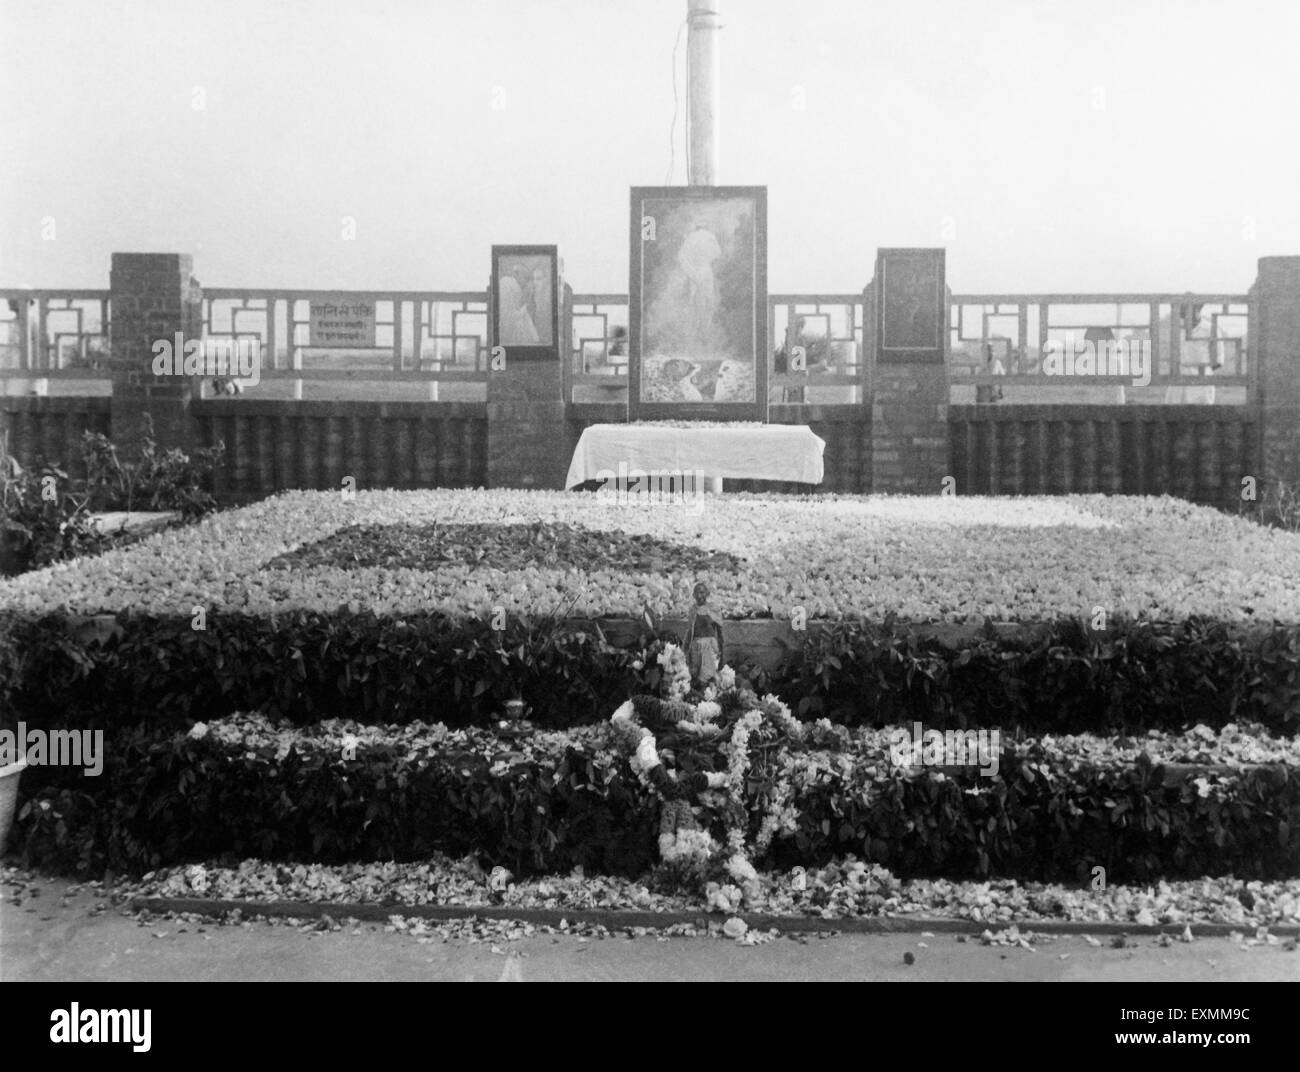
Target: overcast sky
pixel 1099 146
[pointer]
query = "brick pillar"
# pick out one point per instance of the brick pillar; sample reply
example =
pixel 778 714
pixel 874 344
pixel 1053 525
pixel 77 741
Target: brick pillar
pixel 154 296
pixel 1277 349
pixel 909 430
pixel 908 374
pixel 528 440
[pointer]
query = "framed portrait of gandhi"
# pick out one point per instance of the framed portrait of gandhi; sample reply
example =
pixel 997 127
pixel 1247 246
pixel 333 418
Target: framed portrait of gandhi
pixel 911 306
pixel 526 300
pixel 697 319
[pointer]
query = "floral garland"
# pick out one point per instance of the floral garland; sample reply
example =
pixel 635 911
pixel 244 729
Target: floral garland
pixel 677 674
pixel 729 726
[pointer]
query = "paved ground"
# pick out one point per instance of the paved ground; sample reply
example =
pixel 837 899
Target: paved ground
pixel 77 937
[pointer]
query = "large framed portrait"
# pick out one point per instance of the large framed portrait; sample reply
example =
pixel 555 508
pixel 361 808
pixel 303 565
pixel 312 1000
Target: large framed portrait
pixel 912 306
pixel 526 301
pixel 698 315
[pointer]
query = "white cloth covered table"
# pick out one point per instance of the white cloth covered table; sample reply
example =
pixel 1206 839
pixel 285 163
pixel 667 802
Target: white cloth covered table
pixel 743 452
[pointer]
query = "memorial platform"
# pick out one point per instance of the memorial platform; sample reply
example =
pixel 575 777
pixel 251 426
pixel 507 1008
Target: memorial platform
pixel 740 451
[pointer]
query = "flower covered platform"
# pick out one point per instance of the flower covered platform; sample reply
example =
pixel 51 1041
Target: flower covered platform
pixel 463 553
pixel 320 678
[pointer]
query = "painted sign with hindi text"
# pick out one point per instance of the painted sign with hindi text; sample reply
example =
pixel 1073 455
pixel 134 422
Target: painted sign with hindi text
pixel 341 322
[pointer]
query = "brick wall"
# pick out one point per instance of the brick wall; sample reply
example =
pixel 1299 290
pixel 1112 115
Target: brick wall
pixel 49 430
pixel 1198 453
pixel 277 445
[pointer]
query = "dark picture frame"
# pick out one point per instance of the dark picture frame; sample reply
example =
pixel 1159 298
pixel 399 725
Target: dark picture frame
pixel 912 306
pixel 697 317
pixel 526 302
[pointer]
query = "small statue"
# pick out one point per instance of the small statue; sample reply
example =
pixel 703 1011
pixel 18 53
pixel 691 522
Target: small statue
pixel 704 651
pixel 515 724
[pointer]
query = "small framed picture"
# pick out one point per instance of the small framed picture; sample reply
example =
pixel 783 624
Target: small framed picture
pixel 911 303
pixel 526 301
pixel 698 303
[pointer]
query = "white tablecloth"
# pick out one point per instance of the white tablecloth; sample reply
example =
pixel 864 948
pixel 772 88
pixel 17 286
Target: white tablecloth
pixel 763 452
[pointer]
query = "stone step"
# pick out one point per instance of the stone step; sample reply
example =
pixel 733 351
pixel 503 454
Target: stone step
pixel 135 523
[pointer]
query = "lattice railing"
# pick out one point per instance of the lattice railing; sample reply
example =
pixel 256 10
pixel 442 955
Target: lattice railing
pixel 427 344
pixel 53 341
pixel 434 345
pixel 1187 347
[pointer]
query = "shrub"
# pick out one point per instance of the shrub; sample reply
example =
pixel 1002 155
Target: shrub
pixel 42 520
pixel 45 516
pixel 158 480
pixel 308 666
pixel 1062 678
pixel 571 799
